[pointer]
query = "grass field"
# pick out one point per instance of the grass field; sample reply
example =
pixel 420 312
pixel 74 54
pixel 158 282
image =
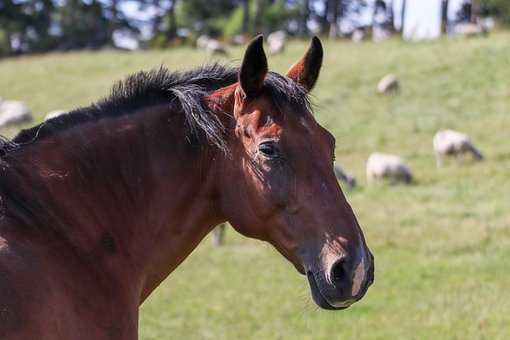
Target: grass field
pixel 442 245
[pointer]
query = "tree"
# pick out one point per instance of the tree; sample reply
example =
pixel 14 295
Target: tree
pixel 335 11
pixel 83 25
pixel 391 16
pixel 171 32
pixel 205 16
pixel 325 18
pixel 444 16
pixel 334 7
pixel 114 18
pixel 403 15
pixel 305 16
pixel 10 22
pixel 475 10
pixel 499 9
pixel 259 13
pixel 379 6
pixel 245 26
pixel 28 23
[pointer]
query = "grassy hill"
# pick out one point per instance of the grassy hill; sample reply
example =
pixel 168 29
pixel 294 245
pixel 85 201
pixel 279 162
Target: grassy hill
pixel 442 245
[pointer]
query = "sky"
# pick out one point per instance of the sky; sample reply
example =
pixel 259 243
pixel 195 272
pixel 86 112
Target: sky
pixel 423 17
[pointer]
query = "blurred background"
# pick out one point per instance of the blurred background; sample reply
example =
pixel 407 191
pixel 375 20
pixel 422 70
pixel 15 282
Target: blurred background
pixel 395 74
pixel 47 25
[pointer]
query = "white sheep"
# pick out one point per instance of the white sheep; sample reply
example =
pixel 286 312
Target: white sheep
pixel 388 84
pixel 453 143
pixel 212 46
pixel 215 47
pixel 202 41
pixel 14 112
pixel 276 42
pixel 393 167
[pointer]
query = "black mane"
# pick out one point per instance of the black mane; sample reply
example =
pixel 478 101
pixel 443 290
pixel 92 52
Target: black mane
pixel 159 86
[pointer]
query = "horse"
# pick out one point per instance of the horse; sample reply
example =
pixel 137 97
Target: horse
pixel 100 205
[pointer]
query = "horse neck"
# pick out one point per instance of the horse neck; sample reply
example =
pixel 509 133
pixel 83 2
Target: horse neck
pixel 128 186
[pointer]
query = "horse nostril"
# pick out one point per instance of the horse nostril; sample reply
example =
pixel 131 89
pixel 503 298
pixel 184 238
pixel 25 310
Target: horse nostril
pixel 338 273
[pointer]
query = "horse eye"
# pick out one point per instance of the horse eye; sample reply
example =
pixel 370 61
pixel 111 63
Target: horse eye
pixel 269 149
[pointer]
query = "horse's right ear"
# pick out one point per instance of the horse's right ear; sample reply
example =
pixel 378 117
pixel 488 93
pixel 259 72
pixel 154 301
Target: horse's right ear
pixel 307 69
pixel 254 68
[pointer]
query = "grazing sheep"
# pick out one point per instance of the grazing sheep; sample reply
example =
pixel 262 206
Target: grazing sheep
pixel 358 35
pixel 276 42
pixel 470 30
pixel 380 34
pixel 14 112
pixel 453 143
pixel 388 84
pixel 393 167
pixel 202 41
pixel 212 46
pixel 239 40
pixel 344 176
pixel 219 235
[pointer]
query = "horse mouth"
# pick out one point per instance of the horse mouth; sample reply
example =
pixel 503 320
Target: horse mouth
pixel 318 296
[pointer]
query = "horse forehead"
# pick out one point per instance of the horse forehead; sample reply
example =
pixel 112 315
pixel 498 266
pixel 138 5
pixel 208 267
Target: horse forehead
pixel 285 116
pixel 305 124
pixel 271 130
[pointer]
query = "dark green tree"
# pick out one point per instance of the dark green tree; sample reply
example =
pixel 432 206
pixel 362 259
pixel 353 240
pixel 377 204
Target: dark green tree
pixel 500 9
pixel 83 25
pixel 27 22
pixel 444 16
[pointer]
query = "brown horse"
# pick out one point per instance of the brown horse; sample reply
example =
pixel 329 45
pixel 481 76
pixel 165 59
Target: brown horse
pixel 98 206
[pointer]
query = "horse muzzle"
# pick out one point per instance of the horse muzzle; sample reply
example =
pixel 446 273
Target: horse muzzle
pixel 343 283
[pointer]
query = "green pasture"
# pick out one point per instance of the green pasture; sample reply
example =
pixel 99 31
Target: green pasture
pixel 442 245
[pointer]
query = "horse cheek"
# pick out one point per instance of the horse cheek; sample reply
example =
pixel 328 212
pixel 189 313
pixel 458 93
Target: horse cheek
pixel 281 182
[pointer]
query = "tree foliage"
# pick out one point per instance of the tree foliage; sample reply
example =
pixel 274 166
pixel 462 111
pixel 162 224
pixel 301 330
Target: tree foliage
pixel 498 8
pixel 43 25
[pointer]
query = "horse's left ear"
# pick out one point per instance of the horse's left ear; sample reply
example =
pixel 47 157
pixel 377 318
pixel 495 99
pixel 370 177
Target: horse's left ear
pixel 254 68
pixel 306 71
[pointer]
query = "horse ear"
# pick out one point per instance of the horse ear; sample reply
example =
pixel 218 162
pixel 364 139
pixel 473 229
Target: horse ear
pixel 254 67
pixel 306 71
